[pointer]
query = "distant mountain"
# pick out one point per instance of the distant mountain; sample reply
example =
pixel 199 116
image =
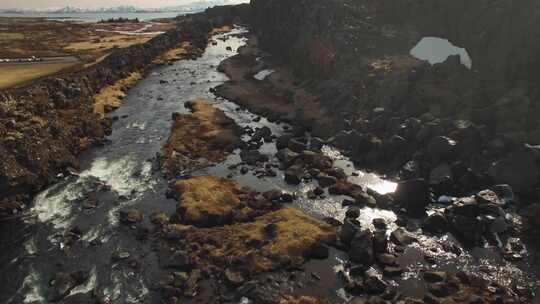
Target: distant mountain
pixel 191 7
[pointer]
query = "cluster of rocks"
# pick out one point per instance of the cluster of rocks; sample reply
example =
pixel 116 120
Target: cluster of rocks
pixel 375 255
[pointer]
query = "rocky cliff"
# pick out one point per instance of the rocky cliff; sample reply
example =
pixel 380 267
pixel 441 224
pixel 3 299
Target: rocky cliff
pixel 45 125
pixel 388 107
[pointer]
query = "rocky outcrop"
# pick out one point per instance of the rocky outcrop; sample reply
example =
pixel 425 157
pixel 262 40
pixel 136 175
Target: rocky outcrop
pixel 46 124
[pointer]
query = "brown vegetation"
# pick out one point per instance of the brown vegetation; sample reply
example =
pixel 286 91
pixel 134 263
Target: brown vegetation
pixel 196 140
pixel 110 97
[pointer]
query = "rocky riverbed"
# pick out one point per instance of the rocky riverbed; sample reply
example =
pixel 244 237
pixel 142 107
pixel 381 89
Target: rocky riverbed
pixel 228 179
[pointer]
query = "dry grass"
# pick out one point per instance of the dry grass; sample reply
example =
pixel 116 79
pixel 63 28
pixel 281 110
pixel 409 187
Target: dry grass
pixel 206 199
pixel 110 97
pixel 174 54
pixel 271 241
pixel 11 36
pixel 17 74
pixel 106 43
pixel 300 300
pixel 206 136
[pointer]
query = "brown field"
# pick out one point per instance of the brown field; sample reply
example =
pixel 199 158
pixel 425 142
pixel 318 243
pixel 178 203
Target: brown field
pixel 16 74
pixel 90 42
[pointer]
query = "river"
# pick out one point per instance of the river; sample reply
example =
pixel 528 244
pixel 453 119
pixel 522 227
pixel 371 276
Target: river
pixel 60 233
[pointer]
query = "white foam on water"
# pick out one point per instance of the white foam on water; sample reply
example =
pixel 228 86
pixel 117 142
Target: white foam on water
pixel 437 50
pixel 92 234
pixel 121 174
pixel 30 246
pixel 263 74
pixel 55 208
pixel 88 286
pixel 138 125
pixel 33 293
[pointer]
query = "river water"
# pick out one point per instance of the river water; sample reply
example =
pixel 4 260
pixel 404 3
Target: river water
pixel 122 175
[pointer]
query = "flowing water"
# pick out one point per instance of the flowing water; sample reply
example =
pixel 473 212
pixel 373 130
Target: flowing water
pixel 122 175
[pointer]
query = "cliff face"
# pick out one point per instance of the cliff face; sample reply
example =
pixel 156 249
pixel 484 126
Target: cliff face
pixel 354 56
pixel 500 36
pixel 46 124
pixel 359 52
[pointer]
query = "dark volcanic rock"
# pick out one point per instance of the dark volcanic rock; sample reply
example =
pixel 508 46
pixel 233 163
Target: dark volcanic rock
pixel 414 195
pixel 519 171
pixel 361 248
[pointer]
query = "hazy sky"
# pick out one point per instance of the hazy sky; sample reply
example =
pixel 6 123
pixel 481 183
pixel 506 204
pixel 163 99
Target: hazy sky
pixel 89 3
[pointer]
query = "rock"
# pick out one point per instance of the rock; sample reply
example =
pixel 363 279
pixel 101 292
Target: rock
pixel 374 285
pixel 387 259
pixel 252 157
pixel 318 251
pixel 326 180
pixel 316 160
pixel 234 278
pixel 294 175
pixel 442 148
pixel 352 213
pixel 488 197
pixel 296 145
pixel 338 173
pixel 316 143
pixel 348 230
pixel 440 174
pixel 178 260
pixel 282 142
pixel 361 248
pixel 179 279
pixel 132 216
pixel 262 133
pixel 505 192
pixel 278 196
pixel 63 283
pixel 402 237
pixel 440 290
pixel 434 276
pixel 436 223
pixel 159 218
pixel 531 217
pixel 468 227
pixel 379 223
pixel 392 271
pixel 519 170
pixel 380 241
pixel 414 195
pixel 120 255
pixel 287 157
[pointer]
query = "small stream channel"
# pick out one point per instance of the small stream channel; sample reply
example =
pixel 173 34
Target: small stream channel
pixel 122 175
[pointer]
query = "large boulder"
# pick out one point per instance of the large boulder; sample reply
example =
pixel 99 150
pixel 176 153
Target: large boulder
pixel 442 148
pixel 361 248
pixel 414 195
pixel 519 170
